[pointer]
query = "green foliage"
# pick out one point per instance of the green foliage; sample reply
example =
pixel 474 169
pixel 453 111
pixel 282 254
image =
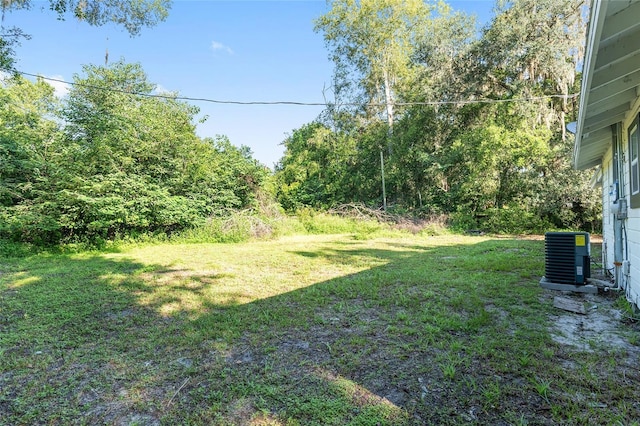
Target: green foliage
pixel 490 165
pixel 15 249
pixel 321 223
pixel 463 220
pixel 248 225
pixel 319 168
pixel 108 164
pixel 266 221
pixel 498 166
pixel 132 15
pixel 375 39
pixel 514 219
pixel 235 228
pixel 434 227
pixel 121 165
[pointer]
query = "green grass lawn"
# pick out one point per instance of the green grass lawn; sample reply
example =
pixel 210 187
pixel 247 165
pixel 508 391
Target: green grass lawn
pixel 325 330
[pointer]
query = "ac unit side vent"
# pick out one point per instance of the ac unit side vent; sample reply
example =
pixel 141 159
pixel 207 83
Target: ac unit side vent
pixel 567 257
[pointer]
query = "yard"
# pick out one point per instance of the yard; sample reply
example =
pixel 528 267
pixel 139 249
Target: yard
pixel 325 330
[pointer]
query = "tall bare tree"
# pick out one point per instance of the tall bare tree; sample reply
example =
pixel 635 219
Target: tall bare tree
pixel 372 41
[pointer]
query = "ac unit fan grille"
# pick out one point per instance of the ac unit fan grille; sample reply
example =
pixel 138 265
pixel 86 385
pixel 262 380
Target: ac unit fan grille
pixel 562 258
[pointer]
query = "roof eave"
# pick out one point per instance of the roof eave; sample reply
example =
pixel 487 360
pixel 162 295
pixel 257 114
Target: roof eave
pixel 596 23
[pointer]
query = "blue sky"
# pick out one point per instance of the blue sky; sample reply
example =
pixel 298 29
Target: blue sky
pixel 224 50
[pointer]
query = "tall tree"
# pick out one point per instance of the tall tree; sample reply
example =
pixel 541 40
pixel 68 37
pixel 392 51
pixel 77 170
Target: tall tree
pixel 476 148
pixel 27 133
pixel 450 35
pixel 29 159
pixel 532 48
pixel 373 41
pixel 111 159
pixel 128 153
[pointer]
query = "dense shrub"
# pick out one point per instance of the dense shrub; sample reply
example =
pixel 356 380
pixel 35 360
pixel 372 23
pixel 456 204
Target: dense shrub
pixel 108 164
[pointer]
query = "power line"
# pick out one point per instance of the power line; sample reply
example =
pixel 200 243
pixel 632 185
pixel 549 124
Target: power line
pixel 294 103
pixel 169 96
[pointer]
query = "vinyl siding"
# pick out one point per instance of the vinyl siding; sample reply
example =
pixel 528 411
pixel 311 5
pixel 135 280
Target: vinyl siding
pixel 632 224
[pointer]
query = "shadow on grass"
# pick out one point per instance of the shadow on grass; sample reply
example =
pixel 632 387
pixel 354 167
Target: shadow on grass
pixel 422 334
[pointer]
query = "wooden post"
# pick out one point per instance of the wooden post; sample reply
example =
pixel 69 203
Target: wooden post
pixel 384 189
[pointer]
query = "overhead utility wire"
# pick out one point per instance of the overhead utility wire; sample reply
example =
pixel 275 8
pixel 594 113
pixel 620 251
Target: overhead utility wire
pixel 216 101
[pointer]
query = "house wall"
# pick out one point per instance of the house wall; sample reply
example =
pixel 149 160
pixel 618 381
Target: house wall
pixel 632 223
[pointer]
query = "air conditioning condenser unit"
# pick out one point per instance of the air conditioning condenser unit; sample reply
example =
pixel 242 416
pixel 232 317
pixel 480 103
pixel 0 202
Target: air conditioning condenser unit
pixel 567 260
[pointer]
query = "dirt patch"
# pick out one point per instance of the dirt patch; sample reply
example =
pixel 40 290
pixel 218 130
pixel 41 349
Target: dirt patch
pixel 602 327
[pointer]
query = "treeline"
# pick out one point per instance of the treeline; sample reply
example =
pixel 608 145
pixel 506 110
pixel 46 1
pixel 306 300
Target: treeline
pixel 464 124
pixel 102 163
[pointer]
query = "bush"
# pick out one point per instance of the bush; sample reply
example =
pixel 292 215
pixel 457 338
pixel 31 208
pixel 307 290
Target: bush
pixel 463 220
pixel 323 223
pixel 242 226
pixel 435 225
pixel 230 229
pixel 16 249
pixel 30 224
pixel 511 219
pixel 514 220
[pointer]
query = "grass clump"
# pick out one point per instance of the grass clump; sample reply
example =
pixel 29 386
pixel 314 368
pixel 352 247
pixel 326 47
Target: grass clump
pixel 325 223
pixel 249 225
pixel 15 249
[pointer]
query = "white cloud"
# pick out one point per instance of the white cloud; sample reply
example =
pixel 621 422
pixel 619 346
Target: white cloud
pixel 216 45
pixel 161 90
pixel 61 88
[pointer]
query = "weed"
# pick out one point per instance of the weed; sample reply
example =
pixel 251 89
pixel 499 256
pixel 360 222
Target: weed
pixel 627 308
pixel 522 421
pixel 542 386
pixel 548 352
pixel 456 346
pixel 525 360
pixel 449 371
pixel 515 419
pixel 491 394
pixel 402 317
pixel 471 383
pixel 558 411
